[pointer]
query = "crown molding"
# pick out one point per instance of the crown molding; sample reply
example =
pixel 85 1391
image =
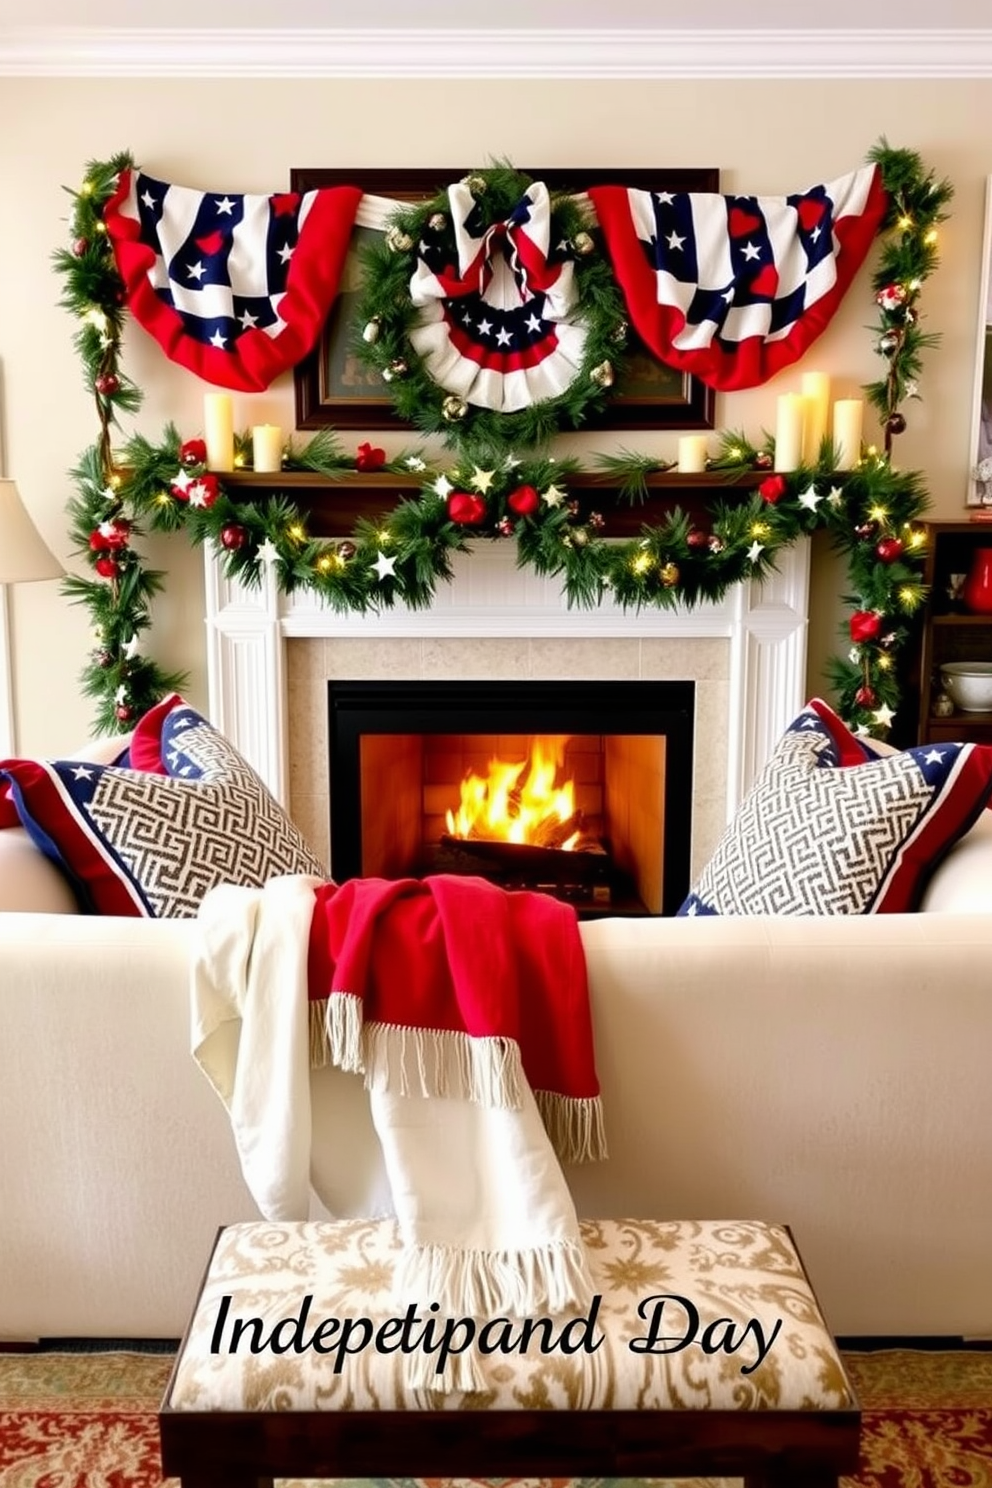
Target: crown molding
pixel 522 53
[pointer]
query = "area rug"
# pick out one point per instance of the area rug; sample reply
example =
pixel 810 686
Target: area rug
pixel 88 1420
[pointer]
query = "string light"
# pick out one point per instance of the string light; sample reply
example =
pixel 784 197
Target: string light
pixel 86 189
pixel 909 598
pixel 641 564
pixel 297 532
pixel 931 237
pixel 879 514
pixel 884 663
pixel 760 529
pixel 905 223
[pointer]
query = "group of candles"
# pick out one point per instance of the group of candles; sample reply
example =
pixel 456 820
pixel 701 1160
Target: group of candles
pixel 218 435
pixel 800 428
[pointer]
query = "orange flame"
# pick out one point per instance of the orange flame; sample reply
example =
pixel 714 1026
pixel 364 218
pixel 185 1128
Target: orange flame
pixel 518 801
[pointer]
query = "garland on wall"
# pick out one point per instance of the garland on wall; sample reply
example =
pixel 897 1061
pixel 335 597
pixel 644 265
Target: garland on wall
pixel 484 488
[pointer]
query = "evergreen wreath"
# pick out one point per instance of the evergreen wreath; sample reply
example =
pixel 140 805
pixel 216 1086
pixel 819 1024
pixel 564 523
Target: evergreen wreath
pixel 386 314
pixel 872 513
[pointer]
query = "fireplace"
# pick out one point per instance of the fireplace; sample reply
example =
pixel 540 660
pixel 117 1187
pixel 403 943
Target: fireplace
pixel 398 752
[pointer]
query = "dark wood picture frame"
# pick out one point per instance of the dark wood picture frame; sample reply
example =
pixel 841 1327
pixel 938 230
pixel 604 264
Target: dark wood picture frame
pixel 333 389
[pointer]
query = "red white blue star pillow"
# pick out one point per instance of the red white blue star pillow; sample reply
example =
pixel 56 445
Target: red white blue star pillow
pixel 829 827
pixel 233 287
pixel 152 839
pixel 733 288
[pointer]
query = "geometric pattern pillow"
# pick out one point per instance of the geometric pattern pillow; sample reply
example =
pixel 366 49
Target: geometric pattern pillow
pixel 830 828
pixel 136 843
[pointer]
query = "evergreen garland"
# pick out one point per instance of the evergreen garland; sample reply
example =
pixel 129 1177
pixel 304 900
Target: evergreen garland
pixel 483 491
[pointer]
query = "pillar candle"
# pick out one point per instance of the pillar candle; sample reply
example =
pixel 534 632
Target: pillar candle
pixel 848 416
pixel 816 391
pixel 218 430
pixel 692 453
pixel 789 431
pixel 266 447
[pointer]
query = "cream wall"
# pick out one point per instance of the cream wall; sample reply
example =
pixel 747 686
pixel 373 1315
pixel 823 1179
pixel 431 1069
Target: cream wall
pixel 766 137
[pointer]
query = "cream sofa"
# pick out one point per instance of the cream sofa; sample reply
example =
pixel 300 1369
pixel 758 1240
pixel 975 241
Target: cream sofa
pixel 832 1073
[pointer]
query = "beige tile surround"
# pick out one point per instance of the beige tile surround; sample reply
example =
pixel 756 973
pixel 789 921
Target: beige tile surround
pixel 311 662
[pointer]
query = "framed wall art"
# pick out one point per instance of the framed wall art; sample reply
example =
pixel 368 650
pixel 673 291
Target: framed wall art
pixel 333 387
pixel 980 468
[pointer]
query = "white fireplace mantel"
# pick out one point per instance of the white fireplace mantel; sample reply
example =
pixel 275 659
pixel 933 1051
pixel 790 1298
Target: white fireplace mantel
pixel 489 596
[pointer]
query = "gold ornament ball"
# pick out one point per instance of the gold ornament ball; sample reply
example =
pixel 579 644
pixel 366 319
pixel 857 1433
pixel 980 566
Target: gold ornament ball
pixel 454 408
pixel 602 375
pixel 437 221
pixel 398 241
pixel 371 332
pixel 583 243
pixel 346 550
pixel 668 573
pixel 397 368
pixel 580 537
pixel 476 184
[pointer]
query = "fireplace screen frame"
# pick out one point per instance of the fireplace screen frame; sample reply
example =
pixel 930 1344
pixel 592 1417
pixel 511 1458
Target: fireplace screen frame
pixel 359 708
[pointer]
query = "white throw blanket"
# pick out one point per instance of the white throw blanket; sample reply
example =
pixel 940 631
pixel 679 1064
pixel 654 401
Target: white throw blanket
pixel 486 1220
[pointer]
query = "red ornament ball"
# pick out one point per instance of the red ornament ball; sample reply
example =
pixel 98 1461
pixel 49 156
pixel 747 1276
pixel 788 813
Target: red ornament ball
pixel 865 625
pixel 107 567
pixel 79 247
pixel 466 508
pixel 524 501
pixel 233 537
pixel 773 489
pixel 889 549
pixel 763 460
pixel 193 452
pixel 695 538
pixel 866 697
pixel 123 712
pixel 106 384
pixel 896 423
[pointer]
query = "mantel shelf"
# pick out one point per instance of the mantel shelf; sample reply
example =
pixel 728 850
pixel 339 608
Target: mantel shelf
pixel 335 504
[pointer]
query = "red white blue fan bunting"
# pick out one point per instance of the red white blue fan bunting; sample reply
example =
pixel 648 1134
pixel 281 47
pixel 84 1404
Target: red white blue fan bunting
pixel 733 288
pixel 233 287
pixel 500 330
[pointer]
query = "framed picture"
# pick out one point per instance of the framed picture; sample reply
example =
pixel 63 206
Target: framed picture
pixel 980 468
pixel 334 387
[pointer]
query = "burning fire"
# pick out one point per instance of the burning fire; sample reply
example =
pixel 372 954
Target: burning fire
pixel 521 801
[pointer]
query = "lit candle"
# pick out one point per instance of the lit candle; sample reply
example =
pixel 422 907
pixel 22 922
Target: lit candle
pixel 692 453
pixel 266 447
pixel 816 391
pixel 789 431
pixel 848 416
pixel 218 430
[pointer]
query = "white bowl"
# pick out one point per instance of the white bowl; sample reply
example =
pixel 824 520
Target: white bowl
pixel 969 684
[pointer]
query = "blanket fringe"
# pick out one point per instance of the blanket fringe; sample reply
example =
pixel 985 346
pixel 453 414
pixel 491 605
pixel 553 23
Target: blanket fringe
pixel 574 1126
pixel 414 1061
pixel 489 1283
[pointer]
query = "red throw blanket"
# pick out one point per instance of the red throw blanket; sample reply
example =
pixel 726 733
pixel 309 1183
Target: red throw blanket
pixel 501 971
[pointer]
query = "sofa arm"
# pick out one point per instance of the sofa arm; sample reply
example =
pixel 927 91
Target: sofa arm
pixel 963 882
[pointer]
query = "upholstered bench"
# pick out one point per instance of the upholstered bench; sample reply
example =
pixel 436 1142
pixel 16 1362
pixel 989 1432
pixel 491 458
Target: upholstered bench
pixel 706 1354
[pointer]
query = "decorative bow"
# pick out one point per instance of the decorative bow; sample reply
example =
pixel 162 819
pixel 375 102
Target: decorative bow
pixel 521 241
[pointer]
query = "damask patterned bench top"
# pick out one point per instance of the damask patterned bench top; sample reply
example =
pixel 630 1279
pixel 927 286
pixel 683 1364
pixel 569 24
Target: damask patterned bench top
pixel 687 1315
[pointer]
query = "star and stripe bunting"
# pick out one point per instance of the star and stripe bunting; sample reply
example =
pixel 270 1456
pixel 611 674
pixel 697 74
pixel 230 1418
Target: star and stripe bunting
pixel 732 289
pixel 500 329
pixel 233 287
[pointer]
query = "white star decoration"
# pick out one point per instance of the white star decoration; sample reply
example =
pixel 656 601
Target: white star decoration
pixel 82 772
pixel 385 567
pixel 120 696
pixel 195 271
pixel 554 496
pixel 933 757
pixel 443 486
pixel 751 250
pixel 285 253
pixel 225 206
pixel 182 480
pixel 414 462
pixel 674 241
pixel 835 497
pixel 248 320
pixel 482 480
pixel 218 340
pixel 267 552
pixel 810 498
pixel 132 648
pixel 883 715
pixel 147 199
pixel 754 550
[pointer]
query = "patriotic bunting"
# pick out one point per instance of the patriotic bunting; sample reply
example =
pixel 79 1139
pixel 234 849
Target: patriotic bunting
pixel 499 330
pixel 235 288
pixel 733 288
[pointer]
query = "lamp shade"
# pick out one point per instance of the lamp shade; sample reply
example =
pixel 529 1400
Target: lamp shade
pixel 23 553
